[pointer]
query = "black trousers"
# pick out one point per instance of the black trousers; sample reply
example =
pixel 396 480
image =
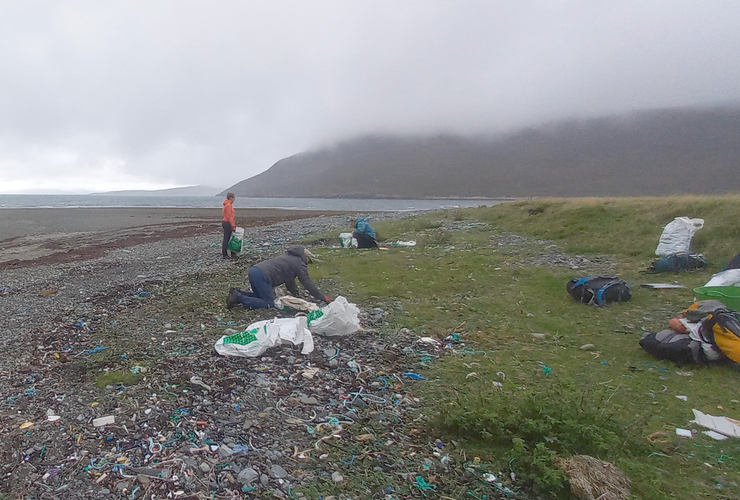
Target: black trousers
pixel 365 241
pixel 227 237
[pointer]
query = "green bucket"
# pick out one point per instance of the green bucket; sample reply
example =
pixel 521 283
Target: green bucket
pixel 728 295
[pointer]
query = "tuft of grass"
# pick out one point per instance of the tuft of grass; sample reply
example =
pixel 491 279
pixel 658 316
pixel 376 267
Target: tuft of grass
pixel 534 424
pixel 116 377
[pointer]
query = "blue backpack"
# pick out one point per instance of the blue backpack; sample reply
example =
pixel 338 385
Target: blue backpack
pixel 599 290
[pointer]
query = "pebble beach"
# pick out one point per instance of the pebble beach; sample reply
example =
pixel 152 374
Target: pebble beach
pixel 54 304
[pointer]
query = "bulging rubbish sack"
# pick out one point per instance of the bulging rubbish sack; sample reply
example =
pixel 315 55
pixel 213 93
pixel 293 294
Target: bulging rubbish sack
pixel 347 240
pixel 260 336
pixel 677 236
pixel 237 240
pixel 337 319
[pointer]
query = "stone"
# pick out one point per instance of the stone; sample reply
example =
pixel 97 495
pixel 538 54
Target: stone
pixel 308 400
pixel 204 467
pixel 588 347
pixel 264 480
pixel 277 472
pixel 337 477
pixel 248 476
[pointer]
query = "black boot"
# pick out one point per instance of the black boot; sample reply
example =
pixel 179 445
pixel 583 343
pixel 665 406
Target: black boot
pixel 233 299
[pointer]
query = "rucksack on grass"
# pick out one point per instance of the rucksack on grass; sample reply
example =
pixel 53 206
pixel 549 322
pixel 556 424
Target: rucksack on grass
pixel 677 262
pixel 716 339
pixel 599 290
pixel 722 328
pixel 673 346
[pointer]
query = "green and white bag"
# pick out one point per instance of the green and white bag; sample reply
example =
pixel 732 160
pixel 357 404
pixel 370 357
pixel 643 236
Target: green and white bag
pixel 260 336
pixel 237 240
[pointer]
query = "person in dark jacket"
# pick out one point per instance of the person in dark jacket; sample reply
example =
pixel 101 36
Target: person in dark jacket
pixel 364 233
pixel 268 274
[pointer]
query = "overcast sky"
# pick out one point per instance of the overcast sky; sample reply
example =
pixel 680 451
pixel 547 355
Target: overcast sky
pixel 106 95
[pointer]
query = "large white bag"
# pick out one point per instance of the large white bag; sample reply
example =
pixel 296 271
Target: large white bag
pixel 729 277
pixel 677 236
pixel 347 240
pixel 337 319
pixel 260 336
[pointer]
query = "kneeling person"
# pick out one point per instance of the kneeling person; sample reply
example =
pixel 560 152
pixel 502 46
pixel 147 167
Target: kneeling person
pixel 266 275
pixel 364 233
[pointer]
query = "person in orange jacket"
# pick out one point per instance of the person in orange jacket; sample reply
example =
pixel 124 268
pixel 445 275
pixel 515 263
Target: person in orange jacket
pixel 229 224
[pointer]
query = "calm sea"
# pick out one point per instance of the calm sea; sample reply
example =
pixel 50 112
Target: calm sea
pixel 360 205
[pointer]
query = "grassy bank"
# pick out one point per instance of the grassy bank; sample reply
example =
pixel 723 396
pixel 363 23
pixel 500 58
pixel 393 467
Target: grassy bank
pixel 522 389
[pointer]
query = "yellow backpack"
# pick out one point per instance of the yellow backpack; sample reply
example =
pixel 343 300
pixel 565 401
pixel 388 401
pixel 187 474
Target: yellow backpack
pixel 725 328
pixel 720 326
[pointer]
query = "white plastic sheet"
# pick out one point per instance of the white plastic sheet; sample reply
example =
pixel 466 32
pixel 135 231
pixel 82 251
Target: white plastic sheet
pixel 290 302
pixel 337 319
pixel 725 278
pixel 724 425
pixel 262 335
pixel 677 236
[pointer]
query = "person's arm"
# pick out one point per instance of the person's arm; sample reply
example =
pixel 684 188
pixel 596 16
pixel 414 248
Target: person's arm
pixel 308 283
pixel 232 218
pixel 292 287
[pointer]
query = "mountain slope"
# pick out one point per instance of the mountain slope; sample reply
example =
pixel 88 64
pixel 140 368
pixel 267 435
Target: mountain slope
pixel 657 152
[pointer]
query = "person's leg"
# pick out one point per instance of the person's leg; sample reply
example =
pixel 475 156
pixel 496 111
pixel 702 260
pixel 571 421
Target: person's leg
pixel 262 296
pixel 227 237
pixel 364 241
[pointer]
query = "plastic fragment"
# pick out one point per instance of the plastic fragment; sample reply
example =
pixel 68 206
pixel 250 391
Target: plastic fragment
pixel 100 422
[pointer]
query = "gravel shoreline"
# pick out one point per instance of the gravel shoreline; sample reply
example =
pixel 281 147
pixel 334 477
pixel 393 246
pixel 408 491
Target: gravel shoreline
pixel 50 314
pixel 23 310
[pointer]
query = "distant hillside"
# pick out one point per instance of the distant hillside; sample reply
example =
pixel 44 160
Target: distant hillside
pixel 181 191
pixel 649 153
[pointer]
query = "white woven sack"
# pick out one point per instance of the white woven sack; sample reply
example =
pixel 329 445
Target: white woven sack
pixel 337 319
pixel 677 234
pixel 262 335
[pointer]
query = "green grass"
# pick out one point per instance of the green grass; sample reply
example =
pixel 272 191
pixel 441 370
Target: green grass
pixel 605 402
pixel 116 377
pixel 626 227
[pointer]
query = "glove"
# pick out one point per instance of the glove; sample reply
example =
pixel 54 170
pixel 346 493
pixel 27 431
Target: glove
pixel 328 299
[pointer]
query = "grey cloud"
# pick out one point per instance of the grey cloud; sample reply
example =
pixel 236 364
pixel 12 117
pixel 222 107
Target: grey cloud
pixel 186 92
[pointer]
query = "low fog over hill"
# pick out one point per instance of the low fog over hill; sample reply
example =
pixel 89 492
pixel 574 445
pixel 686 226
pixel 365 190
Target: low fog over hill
pixel 649 153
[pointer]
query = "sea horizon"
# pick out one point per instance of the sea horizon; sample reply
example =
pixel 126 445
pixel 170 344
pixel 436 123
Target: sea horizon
pixel 26 201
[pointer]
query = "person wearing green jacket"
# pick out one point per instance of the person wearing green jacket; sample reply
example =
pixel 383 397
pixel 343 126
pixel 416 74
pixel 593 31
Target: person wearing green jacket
pixel 364 233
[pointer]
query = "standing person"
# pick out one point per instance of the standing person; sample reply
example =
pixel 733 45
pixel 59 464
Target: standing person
pixel 268 274
pixel 229 224
pixel 364 233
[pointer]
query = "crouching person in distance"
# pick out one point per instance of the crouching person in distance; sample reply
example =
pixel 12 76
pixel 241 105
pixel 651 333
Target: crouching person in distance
pixel 268 274
pixel 364 233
